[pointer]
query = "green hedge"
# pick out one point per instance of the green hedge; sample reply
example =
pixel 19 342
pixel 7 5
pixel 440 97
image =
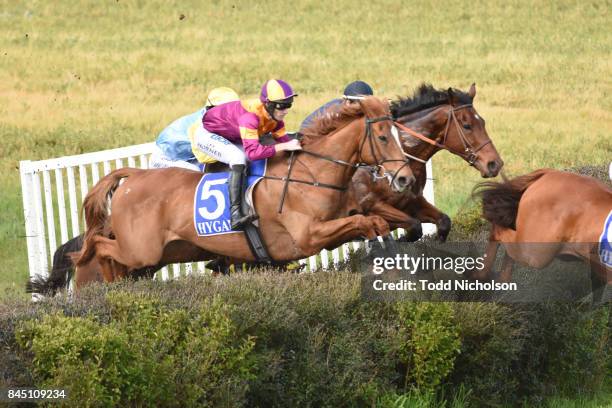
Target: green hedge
pixel 297 340
pixel 146 354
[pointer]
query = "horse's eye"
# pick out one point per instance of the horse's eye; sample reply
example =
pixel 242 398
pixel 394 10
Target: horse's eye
pixel 383 139
pixel 467 126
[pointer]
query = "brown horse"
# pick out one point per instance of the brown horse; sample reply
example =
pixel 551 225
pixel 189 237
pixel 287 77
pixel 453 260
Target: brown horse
pixel 543 215
pixel 430 121
pixel 153 209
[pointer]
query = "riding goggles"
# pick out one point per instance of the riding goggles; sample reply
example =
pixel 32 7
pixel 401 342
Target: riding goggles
pixel 282 106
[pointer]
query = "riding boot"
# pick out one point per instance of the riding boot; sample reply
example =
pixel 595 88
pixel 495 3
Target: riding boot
pixel 236 188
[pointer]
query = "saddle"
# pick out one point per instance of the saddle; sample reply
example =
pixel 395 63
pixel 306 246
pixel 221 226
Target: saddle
pixel 211 209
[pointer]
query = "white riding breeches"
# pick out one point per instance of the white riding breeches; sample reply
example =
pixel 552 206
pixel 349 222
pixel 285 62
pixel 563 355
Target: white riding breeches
pixel 159 161
pixel 218 147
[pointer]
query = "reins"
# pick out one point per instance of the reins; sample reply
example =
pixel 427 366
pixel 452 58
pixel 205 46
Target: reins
pixel 379 163
pixel 470 154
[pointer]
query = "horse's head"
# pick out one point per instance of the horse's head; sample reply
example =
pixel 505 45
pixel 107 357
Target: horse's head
pixel 381 147
pixel 465 135
pixel 446 119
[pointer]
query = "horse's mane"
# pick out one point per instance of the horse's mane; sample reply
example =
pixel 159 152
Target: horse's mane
pixel 424 97
pixel 331 120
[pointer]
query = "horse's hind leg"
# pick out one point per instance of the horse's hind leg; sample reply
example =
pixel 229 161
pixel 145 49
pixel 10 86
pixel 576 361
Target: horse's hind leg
pixel 489 260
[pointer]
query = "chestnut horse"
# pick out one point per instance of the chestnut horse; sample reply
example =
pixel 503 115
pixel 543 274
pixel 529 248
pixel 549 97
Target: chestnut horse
pixel 152 210
pixel 429 121
pixel 543 215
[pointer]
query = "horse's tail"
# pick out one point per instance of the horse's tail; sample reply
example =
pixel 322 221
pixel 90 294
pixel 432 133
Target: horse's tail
pixel 61 270
pixel 48 286
pixel 500 200
pixel 96 210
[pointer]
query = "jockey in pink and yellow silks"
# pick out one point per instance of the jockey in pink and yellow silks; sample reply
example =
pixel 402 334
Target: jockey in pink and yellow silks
pixel 243 122
pixel 230 134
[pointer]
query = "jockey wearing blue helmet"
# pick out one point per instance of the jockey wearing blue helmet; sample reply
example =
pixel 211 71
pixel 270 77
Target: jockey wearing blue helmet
pixel 353 92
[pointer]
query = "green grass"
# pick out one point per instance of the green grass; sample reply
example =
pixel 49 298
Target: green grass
pixel 79 76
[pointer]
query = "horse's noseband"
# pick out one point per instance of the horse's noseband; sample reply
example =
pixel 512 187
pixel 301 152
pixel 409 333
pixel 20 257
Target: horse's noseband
pixel 469 154
pixel 374 169
pixel 379 163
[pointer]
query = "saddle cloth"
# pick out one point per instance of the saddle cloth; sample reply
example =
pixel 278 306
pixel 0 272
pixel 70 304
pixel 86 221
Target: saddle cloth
pixel 211 209
pixel 605 242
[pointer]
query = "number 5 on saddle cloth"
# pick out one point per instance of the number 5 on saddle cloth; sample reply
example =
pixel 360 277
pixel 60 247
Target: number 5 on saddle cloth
pixel 211 209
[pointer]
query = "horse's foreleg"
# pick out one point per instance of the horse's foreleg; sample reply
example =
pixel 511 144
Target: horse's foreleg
pixel 336 232
pixel 398 219
pixel 489 261
pixel 425 212
pixel 506 270
pixel 486 273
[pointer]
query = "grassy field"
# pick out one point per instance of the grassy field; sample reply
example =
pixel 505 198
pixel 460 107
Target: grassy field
pixel 80 76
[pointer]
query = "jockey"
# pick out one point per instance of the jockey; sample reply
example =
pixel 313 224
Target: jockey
pixel 231 131
pixel 174 144
pixel 352 93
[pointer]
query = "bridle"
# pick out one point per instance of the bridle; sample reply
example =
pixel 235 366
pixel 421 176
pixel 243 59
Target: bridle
pixel 469 154
pixel 380 163
pixel 374 169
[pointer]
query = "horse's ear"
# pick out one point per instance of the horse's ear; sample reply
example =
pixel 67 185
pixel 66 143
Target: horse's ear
pixel 472 91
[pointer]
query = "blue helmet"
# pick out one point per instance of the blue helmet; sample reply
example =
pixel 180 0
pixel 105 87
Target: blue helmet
pixel 357 88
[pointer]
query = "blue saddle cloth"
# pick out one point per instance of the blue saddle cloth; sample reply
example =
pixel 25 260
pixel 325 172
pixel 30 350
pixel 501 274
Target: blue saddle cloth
pixel 211 215
pixel 605 243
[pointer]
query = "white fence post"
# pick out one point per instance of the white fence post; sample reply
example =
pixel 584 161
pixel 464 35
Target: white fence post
pixel 36 253
pixel 428 193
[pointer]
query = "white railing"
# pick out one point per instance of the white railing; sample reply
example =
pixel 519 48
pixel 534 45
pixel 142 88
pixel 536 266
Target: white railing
pixel 52 206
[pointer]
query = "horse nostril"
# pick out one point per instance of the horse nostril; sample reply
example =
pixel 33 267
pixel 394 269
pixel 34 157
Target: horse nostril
pixel 492 167
pixel 405 182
